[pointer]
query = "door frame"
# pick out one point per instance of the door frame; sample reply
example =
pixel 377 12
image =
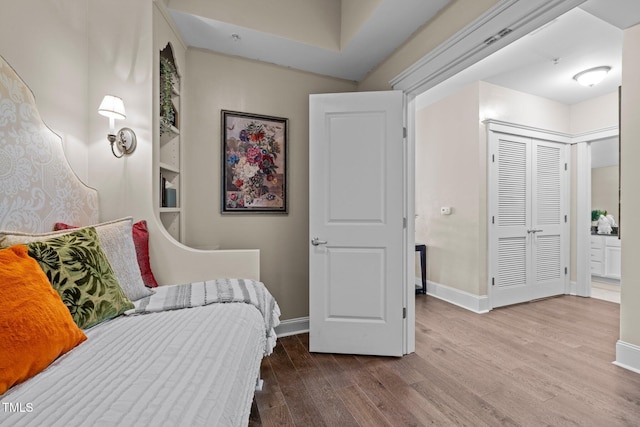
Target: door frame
pixel 582 286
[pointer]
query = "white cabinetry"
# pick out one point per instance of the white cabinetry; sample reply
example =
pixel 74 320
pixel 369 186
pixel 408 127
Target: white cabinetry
pixel 605 256
pixel 612 257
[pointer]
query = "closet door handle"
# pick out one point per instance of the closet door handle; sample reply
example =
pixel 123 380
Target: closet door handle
pixel 537 231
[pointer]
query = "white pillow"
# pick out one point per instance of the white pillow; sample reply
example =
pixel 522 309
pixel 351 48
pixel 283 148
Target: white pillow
pixel 116 241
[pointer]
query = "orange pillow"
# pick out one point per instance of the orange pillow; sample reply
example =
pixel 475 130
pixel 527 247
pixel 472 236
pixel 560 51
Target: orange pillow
pixel 35 325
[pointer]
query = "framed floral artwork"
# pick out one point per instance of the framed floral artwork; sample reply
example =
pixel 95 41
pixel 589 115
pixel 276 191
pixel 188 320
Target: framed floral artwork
pixel 254 163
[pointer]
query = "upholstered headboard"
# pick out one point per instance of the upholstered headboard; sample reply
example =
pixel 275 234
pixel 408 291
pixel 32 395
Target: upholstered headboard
pixel 37 186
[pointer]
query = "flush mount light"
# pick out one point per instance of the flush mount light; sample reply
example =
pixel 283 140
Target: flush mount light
pixel 592 76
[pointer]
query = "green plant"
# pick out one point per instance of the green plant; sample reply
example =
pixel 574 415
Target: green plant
pixel 168 78
pixel 595 214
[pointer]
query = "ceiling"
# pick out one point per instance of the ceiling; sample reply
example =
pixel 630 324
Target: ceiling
pixel 541 63
pixel 388 25
pixel 544 62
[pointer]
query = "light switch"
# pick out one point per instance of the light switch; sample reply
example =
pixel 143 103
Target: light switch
pixel 445 210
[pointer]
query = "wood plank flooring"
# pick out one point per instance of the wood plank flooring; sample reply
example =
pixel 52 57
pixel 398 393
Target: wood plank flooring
pixel 545 363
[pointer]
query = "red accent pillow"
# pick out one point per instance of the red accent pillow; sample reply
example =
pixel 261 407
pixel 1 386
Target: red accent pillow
pixel 140 235
pixel 141 241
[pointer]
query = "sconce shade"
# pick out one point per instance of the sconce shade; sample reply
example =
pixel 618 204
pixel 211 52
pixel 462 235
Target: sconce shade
pixel 112 107
pixel 592 76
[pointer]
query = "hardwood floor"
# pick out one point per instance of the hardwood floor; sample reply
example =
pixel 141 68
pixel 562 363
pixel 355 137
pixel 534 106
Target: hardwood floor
pixel 543 363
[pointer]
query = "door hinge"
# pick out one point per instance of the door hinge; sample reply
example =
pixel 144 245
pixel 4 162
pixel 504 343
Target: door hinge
pixel 404 222
pixel 565 166
pixel 565 218
pixel 493 220
pixel 404 132
pixel 404 312
pixel 493 281
pixel 566 271
pixel 493 158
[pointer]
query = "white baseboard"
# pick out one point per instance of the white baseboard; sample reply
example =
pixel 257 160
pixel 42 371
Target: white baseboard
pixel 628 356
pixel 296 326
pixel 475 303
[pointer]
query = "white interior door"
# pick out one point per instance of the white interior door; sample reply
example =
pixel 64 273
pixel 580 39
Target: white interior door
pixel 529 207
pixel 356 223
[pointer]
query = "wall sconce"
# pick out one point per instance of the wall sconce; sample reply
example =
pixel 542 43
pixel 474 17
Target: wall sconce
pixel 125 140
pixel 592 76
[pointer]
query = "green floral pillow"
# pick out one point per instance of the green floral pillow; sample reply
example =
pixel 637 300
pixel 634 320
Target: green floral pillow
pixel 78 269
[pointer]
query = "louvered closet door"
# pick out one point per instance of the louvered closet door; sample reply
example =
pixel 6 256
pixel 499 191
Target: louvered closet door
pixel 527 199
pixel 548 219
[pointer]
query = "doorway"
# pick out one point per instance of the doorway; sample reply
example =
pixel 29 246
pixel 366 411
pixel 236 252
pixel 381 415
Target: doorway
pixel 458 271
pixel 605 250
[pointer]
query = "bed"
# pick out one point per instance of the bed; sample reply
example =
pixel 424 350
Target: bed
pixel 184 354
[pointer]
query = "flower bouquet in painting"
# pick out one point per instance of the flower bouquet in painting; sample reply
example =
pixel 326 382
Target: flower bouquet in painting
pixel 254 149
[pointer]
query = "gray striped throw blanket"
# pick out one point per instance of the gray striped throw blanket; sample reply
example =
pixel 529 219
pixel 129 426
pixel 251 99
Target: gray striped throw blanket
pixel 196 294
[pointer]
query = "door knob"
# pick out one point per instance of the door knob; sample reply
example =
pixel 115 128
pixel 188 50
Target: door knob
pixel 315 242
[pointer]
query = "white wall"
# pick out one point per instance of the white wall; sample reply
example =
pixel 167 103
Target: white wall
pixel 120 63
pixel 500 103
pixel 596 113
pixel 48 49
pixel 71 57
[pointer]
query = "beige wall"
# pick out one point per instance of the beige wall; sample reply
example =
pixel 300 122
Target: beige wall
pixel 214 82
pixel 448 164
pixel 630 197
pixel 604 190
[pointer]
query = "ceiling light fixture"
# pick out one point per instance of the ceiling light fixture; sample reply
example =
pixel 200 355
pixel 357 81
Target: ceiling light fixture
pixel 592 76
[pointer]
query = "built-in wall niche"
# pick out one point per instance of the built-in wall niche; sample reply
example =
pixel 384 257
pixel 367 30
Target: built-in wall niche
pixel 170 142
pixel 605 176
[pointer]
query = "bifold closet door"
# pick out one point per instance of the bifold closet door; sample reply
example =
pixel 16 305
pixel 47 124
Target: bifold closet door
pixel 528 204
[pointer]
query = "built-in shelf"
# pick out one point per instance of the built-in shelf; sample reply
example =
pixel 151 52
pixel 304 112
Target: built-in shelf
pixel 169 210
pixel 170 153
pixel 169 168
pixel 169 135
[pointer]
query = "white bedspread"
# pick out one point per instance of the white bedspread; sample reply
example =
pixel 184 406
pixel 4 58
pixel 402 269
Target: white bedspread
pixel 190 367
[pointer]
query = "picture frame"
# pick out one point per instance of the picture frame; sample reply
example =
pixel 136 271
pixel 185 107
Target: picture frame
pixel 254 163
